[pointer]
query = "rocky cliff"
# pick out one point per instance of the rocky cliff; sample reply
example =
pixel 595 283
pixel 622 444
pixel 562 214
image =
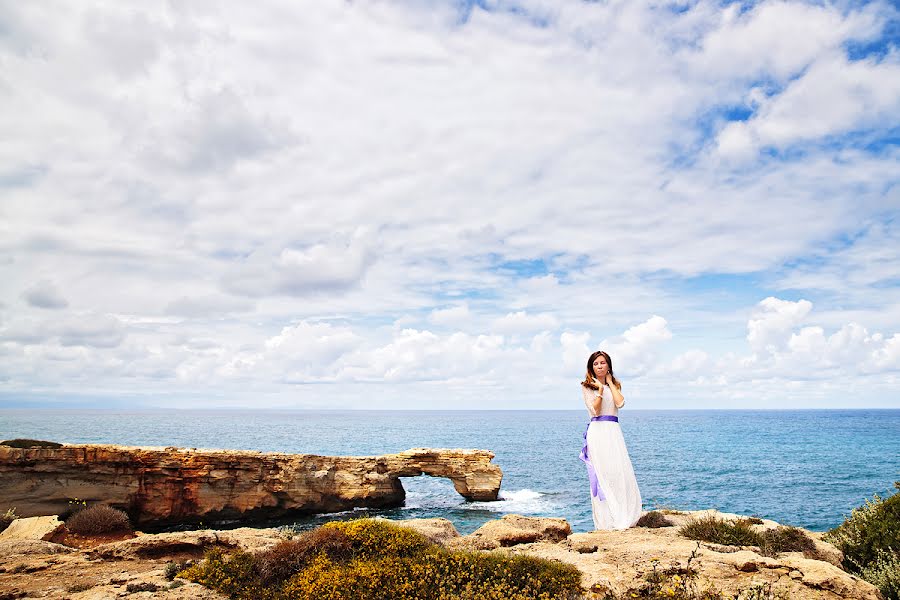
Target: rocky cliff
pixel 160 486
pixel 613 564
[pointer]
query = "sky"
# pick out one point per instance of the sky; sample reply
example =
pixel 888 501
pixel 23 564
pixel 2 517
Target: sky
pixel 447 204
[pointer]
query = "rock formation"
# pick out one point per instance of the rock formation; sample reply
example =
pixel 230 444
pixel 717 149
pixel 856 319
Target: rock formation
pixel 160 486
pixel 612 563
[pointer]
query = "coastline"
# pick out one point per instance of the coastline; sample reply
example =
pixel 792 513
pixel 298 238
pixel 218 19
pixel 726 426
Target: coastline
pixel 610 562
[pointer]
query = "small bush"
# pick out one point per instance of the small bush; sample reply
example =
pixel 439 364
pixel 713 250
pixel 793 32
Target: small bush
pixel 721 531
pixel 755 520
pixel 654 519
pixel 378 560
pixel 7 518
pixel 436 575
pixel 235 574
pixel 374 538
pixel 884 573
pixel 174 568
pixel 787 539
pixel 147 586
pixel 869 532
pixel 23 443
pixel 288 557
pixel 98 519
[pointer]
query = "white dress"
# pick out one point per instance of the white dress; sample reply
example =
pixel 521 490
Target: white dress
pixel 618 503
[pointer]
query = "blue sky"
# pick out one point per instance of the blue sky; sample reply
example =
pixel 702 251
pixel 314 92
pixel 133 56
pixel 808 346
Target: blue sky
pixel 449 204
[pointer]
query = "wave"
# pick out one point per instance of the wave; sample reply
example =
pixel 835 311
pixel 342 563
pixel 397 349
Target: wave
pixel 524 501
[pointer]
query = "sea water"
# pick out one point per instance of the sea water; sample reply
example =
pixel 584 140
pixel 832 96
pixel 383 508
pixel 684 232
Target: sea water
pixel 799 467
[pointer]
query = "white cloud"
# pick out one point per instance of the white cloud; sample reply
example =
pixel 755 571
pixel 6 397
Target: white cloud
pixel 315 269
pixel 832 97
pixel 520 323
pixel 636 351
pixel 83 329
pixel 522 183
pixel 778 39
pixel 415 355
pixel 44 294
pixel 772 321
pixel 454 316
pixel 575 350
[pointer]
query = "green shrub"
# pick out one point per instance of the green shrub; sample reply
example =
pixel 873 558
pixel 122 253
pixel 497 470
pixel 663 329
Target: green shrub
pixel 721 531
pixel 884 573
pixel 174 568
pixel 787 539
pixel 23 443
pixel 98 519
pixel 436 575
pixel 7 518
pixel 376 559
pixel 374 538
pixel 654 519
pixel 870 531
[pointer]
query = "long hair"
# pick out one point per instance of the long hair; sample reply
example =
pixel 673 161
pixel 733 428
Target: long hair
pixel 589 374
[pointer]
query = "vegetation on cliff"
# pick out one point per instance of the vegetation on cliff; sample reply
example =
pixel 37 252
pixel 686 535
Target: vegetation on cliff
pixel 369 558
pixel 870 541
pixel 7 518
pixel 740 532
pixel 97 520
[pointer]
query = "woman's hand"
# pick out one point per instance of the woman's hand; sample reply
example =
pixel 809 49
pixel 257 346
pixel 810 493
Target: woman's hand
pixel 609 380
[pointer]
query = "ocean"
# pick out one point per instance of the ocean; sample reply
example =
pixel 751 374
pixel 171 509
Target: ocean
pixel 799 467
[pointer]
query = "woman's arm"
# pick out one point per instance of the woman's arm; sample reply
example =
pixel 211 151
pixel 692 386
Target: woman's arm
pixel 618 398
pixel 591 399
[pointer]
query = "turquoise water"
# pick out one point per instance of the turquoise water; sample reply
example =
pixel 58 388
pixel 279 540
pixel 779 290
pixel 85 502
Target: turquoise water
pixel 800 467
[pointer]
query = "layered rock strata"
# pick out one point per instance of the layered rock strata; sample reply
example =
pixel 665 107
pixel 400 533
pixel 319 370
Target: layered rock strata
pixel 162 486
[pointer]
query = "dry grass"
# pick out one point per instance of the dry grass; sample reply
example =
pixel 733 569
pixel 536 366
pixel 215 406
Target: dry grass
pixel 98 519
pixel 653 520
pixel 286 558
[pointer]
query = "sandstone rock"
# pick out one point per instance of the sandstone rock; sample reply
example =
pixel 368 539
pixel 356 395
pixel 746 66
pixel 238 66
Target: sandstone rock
pixel 188 543
pixel 13 548
pixel 439 531
pixel 610 561
pixel 622 558
pixel 32 528
pixel 158 486
pixel 511 530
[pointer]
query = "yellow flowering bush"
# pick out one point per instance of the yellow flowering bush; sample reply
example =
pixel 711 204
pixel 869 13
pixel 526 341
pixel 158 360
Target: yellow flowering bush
pixel 388 562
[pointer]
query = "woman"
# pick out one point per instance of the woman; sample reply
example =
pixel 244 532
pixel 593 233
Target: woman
pixel 615 498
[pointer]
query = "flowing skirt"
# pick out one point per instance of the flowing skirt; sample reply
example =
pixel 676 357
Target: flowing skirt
pixel 621 508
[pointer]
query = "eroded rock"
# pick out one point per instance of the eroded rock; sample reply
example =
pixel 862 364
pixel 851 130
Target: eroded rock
pixel 32 528
pixel 511 530
pixel 159 486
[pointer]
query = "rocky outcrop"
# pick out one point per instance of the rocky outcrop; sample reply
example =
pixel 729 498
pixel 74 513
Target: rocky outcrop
pixel 613 563
pixel 512 530
pixel 160 486
pixel 34 528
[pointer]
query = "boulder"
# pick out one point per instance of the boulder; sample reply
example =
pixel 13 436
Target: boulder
pixel 511 530
pixel 438 530
pixel 32 528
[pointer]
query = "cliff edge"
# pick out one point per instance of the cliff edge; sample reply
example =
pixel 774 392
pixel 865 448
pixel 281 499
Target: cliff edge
pixel 161 486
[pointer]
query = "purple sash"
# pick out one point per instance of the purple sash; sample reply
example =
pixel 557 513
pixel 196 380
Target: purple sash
pixel 592 475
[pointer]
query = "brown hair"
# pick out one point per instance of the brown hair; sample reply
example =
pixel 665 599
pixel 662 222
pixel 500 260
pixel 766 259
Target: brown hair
pixel 589 374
